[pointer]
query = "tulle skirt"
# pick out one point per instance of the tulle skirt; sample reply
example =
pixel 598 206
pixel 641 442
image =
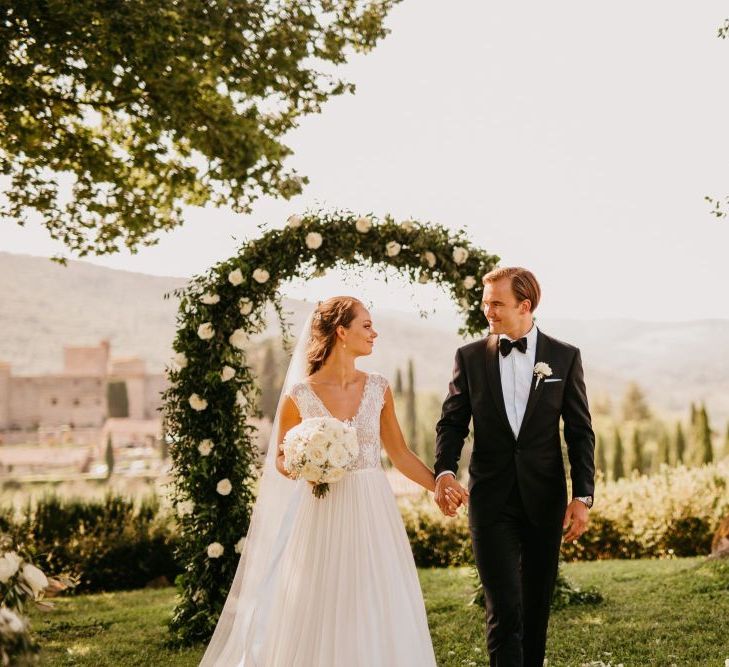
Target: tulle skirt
pixel 346 590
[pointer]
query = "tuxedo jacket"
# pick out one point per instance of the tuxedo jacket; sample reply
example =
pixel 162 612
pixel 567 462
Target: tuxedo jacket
pixel 533 460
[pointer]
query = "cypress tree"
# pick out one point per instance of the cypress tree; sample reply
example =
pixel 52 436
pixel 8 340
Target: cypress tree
pixel 411 419
pixel 269 395
pixel 635 406
pixel 109 456
pixel 663 454
pixel 618 467
pixel 725 453
pixel 600 459
pixel 636 452
pixel 680 445
pixel 398 383
pixel 702 450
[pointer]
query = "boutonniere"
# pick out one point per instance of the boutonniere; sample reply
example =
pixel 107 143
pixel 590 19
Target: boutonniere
pixel 541 370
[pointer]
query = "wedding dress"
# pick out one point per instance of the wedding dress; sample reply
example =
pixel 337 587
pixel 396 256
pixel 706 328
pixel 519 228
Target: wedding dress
pixel 338 587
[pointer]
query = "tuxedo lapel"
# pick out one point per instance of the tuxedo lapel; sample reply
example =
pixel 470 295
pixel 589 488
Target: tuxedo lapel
pixel 493 374
pixel 542 354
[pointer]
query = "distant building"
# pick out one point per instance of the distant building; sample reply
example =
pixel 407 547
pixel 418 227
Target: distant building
pixel 76 398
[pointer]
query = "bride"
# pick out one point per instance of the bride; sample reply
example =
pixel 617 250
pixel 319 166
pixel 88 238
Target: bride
pixel 325 582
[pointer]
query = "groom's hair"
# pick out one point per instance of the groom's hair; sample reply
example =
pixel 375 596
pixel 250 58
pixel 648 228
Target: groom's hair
pixel 523 283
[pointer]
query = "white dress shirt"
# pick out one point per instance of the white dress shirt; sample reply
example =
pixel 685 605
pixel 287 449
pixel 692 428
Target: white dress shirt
pixel 517 373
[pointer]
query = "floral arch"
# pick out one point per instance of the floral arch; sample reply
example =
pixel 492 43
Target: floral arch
pixel 212 389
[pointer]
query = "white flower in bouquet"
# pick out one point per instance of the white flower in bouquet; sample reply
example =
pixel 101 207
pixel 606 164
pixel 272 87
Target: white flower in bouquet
pixel 197 403
pixel 181 359
pixel 294 221
pixel 224 487
pixel 215 550
pixel 261 276
pixel 460 255
pixel 34 577
pixel 469 282
pixel 9 564
pixel 393 249
pixel 238 339
pixel 245 306
pixel 314 240
pixel 205 447
pixel 228 373
pixel 209 298
pixel 206 331
pixel 239 545
pixel 320 450
pixel 430 258
pixel 363 225
pixel 10 619
pixel 185 507
pixel 408 225
pixel 235 277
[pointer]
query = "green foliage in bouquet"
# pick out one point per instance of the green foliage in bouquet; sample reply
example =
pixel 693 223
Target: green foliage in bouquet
pixel 213 391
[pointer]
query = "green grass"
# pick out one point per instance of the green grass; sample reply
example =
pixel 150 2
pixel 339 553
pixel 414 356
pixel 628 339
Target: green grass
pixel 655 613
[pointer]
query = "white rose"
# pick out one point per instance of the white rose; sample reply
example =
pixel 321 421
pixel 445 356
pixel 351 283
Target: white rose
pixel 215 550
pixel 393 248
pixel 430 258
pixel 314 240
pixel 205 447
pixel 228 373
pixel 245 306
pixel 334 475
pixel 261 276
pixel 317 454
pixel 294 221
pixel 35 578
pixel 235 277
pixel 542 368
pixel 224 487
pixel 9 564
pixel 311 473
pixel 209 298
pixel 206 331
pixel 185 507
pixel 181 359
pixel 197 403
pixel 14 622
pixel 238 339
pixel 351 443
pixel 460 255
pixel 408 225
pixel 469 282
pixel 239 545
pixel 363 225
pixel 338 455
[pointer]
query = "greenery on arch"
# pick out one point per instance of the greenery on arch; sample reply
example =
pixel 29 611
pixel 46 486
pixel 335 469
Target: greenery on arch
pixel 213 391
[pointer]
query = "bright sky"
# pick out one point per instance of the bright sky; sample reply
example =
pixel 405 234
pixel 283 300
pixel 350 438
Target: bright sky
pixel 577 139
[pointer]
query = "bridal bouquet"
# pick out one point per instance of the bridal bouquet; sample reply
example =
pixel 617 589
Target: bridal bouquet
pixel 321 450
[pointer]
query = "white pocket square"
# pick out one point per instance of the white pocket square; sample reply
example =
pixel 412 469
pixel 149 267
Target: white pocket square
pixel 553 380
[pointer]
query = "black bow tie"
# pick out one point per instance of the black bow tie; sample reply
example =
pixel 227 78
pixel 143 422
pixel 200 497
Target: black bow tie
pixel 506 345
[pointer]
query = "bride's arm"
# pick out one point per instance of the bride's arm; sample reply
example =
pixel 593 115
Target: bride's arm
pixel 398 451
pixel 288 418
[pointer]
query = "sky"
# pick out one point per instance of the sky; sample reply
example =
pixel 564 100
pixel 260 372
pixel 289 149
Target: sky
pixel 576 139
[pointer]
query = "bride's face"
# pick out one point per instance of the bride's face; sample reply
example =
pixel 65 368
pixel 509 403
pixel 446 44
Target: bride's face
pixel 360 336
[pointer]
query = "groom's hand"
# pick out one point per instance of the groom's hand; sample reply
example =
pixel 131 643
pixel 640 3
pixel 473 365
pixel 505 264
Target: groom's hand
pixel 578 514
pixel 449 495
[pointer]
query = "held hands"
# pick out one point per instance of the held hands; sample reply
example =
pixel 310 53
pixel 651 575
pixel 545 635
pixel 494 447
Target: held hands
pixel 449 495
pixel 578 514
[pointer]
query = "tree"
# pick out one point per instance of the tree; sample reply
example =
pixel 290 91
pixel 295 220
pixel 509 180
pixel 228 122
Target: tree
pixel 701 449
pixel 411 417
pixel 635 407
pixel 680 445
pixel 145 107
pixel 602 405
pixel 636 452
pixel 269 383
pixel 618 467
pixel 398 383
pixel 725 453
pixel 663 454
pixel 600 458
pixel 109 456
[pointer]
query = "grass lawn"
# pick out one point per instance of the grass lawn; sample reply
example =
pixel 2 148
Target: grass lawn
pixel 655 613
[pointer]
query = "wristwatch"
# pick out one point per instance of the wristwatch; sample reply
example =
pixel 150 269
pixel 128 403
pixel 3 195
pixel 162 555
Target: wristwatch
pixel 587 500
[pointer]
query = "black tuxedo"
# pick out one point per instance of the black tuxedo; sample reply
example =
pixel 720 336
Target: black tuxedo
pixel 517 486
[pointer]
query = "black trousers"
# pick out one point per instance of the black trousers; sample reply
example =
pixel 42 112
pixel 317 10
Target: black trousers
pixel 517 563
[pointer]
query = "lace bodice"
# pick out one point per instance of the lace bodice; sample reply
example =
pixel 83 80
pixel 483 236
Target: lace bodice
pixel 366 420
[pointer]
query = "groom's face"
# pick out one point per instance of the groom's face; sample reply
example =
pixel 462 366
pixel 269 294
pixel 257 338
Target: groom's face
pixel 504 313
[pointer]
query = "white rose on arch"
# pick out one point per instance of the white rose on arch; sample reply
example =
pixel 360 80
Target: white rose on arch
pixel 408 225
pixel 393 249
pixel 228 373
pixel 224 487
pixel 185 507
pixel 469 282
pixel 429 258
pixel 206 331
pixel 363 225
pixel 245 306
pixel 238 339
pixel 197 403
pixel 205 447
pixel 209 298
pixel 235 277
pixel 240 399
pixel 294 221
pixel 261 276
pixel 215 550
pixel 181 359
pixel 460 255
pixel 314 240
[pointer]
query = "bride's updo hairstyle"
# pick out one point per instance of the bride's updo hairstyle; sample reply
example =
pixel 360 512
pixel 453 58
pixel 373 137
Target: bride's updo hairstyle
pixel 334 312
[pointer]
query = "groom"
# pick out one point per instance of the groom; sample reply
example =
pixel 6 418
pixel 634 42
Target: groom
pixel 515 385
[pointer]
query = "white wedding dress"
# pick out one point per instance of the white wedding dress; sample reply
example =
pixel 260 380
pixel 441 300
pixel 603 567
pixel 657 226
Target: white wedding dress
pixel 347 592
